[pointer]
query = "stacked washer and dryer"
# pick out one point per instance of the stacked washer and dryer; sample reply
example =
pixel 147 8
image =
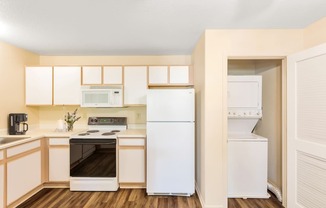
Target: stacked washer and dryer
pixel 247 152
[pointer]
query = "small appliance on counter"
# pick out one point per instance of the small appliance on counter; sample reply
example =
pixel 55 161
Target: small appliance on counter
pixel 17 123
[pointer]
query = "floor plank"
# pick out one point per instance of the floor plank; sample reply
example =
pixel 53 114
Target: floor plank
pixel 129 198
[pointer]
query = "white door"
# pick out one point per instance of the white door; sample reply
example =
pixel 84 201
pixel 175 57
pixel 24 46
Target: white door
pixel 170 105
pixel 170 158
pixel 306 120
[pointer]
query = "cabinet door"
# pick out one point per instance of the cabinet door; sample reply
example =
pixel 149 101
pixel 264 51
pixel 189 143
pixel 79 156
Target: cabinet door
pixel 135 85
pixel 131 165
pixel 38 85
pixel 67 85
pixel 179 74
pixel 92 75
pixel 112 75
pixel 158 75
pixel 23 175
pixel 59 164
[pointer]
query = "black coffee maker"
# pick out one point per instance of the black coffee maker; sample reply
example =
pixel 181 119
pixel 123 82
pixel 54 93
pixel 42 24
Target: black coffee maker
pixel 17 123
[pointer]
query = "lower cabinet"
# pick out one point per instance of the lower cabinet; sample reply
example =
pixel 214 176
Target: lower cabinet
pixel 132 162
pixel 59 166
pixel 23 170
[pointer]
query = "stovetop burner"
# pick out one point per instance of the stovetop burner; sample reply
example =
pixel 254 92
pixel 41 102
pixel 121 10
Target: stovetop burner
pixel 83 134
pixel 92 131
pixel 108 133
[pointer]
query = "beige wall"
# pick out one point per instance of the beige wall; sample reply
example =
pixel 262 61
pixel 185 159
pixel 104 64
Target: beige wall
pixel 219 46
pixel 315 33
pixel 115 60
pixel 12 82
pixel 198 63
pixel 271 124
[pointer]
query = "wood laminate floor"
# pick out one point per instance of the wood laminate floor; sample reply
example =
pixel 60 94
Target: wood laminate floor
pixel 129 198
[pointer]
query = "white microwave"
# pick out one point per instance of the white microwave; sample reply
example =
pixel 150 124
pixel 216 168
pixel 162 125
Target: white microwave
pixel 101 97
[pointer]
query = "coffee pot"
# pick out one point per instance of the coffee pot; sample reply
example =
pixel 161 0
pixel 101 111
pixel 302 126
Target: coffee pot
pixel 17 123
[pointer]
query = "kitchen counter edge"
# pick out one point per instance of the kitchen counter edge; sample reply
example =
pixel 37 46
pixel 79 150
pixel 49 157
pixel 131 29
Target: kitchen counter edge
pixel 39 134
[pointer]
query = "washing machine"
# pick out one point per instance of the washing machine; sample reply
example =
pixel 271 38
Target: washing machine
pixel 247 152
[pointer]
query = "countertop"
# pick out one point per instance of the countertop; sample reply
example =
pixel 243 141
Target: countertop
pixel 42 133
pixel 132 133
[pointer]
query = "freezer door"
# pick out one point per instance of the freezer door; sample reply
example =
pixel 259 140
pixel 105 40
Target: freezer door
pixel 170 105
pixel 170 158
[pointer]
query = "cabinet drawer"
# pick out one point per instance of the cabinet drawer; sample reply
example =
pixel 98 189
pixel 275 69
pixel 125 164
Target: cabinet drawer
pixel 23 148
pixel 1 155
pixel 131 142
pixel 59 141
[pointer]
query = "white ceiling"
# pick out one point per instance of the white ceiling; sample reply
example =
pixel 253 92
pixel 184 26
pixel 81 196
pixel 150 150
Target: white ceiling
pixel 140 27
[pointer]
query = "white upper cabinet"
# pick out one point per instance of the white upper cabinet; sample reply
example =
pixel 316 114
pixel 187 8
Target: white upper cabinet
pixel 135 85
pixel 158 75
pixel 173 75
pixel 179 74
pixel 67 84
pixel 92 75
pixel 38 85
pixel 112 75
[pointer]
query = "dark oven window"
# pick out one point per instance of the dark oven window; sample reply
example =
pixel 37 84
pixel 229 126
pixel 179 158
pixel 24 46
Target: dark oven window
pixel 93 158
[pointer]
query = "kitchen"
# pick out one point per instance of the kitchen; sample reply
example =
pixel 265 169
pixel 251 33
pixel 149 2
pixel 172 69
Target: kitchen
pixel 210 159
pixel 53 146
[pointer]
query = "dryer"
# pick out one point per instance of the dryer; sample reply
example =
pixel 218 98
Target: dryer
pixel 247 152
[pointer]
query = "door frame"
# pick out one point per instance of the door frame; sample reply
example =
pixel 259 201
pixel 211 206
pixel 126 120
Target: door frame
pixel 284 109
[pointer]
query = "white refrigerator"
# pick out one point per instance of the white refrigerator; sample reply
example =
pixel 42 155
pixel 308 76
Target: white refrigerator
pixel 170 142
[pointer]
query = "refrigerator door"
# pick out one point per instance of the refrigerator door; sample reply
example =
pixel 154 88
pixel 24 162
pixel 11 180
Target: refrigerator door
pixel 170 105
pixel 170 158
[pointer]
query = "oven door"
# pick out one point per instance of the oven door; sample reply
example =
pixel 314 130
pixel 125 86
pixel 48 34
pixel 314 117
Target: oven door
pixel 93 158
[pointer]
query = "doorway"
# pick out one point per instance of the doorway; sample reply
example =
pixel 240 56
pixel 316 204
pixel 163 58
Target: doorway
pixel 271 125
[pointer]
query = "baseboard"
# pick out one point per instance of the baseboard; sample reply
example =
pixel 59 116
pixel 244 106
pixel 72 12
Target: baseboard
pixel 202 201
pixel 132 185
pixel 63 184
